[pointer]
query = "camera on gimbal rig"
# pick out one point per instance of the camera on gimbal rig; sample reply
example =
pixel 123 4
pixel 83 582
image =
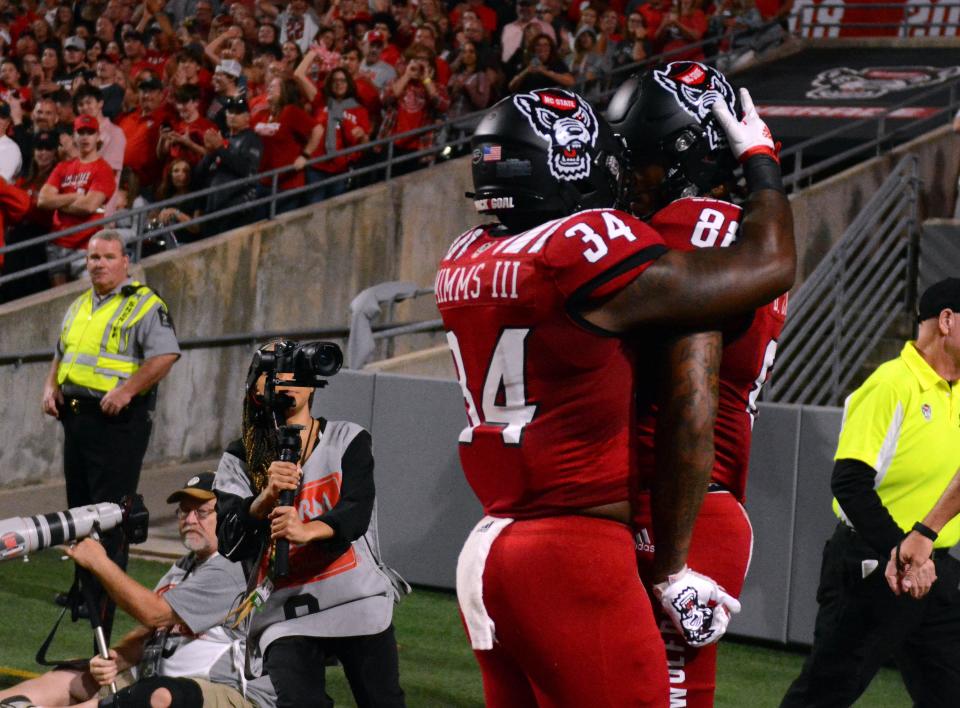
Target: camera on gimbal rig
pixel 309 365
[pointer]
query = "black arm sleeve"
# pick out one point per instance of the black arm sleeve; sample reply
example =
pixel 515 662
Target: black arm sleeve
pixel 351 515
pixel 239 535
pixel 852 485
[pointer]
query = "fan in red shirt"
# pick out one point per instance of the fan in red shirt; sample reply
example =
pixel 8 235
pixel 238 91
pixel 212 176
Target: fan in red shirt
pixel 11 85
pixel 35 222
pixel 184 139
pixel 384 23
pixel 426 35
pixel 77 189
pixel 367 94
pixel 189 72
pixel 142 128
pixel 417 101
pixel 651 113
pixel 290 135
pixel 14 204
pixel 679 29
pixel 345 124
pixel 487 16
pixel 141 58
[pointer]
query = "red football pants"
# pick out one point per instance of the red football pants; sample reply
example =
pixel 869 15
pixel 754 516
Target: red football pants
pixel 720 548
pixel 574 626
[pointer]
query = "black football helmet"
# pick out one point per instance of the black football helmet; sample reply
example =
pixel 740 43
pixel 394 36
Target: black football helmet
pixel 543 155
pixel 664 118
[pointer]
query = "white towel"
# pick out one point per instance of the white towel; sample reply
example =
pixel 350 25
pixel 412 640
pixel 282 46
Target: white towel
pixel 470 565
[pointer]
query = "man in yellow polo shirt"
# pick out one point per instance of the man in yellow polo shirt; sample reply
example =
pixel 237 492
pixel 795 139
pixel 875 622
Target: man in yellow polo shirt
pixel 116 343
pixel 899 449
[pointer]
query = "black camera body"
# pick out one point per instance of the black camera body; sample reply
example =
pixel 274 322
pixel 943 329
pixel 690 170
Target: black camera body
pixel 310 363
pixel 136 518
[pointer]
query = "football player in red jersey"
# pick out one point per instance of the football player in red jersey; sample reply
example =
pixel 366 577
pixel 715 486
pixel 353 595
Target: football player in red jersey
pixel 684 171
pixel 536 310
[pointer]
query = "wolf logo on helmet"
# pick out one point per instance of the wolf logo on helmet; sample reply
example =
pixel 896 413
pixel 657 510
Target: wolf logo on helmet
pixel 570 127
pixel 696 87
pixel 664 117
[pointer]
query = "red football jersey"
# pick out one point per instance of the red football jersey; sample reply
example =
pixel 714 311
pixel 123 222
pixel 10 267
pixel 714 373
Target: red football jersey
pixel 548 396
pixel 749 346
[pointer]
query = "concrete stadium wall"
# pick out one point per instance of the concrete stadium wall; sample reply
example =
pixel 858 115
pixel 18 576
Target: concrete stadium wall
pixel 823 211
pixel 299 271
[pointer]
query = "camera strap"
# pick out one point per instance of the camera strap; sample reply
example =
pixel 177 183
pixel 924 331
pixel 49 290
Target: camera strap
pixel 149 664
pixel 74 600
pixel 41 657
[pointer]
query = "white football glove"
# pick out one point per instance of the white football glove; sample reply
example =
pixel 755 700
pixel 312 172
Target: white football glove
pixel 748 137
pixel 698 607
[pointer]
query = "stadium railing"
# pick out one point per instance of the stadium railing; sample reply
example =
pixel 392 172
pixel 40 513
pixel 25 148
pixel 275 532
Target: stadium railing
pixel 863 284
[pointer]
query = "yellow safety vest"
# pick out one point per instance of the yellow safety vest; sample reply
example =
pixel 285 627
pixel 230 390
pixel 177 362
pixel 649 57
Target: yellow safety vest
pixel 97 346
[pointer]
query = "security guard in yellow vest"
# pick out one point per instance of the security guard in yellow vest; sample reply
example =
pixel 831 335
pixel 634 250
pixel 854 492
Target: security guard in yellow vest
pixel 899 448
pixel 116 343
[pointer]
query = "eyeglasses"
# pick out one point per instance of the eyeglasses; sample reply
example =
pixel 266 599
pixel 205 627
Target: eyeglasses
pixel 202 514
pixel 86 131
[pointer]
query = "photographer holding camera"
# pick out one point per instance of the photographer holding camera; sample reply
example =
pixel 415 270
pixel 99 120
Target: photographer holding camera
pixel 186 654
pixel 336 600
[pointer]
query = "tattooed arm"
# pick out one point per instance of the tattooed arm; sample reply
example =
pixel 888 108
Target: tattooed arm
pixel 687 411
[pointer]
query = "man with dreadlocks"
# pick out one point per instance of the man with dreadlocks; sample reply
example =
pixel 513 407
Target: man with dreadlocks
pixel 337 599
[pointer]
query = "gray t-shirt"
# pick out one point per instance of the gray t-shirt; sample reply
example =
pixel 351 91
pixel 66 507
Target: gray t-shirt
pixel 206 646
pixel 380 74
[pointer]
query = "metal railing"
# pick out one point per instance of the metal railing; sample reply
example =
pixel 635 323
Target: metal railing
pixel 251 338
pixel 841 311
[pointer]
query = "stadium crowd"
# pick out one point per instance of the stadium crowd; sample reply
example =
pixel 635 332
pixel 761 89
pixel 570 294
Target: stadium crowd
pixel 188 94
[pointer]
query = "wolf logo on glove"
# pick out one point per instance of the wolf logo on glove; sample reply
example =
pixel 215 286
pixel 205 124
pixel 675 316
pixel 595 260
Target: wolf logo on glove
pixel 694 617
pixel 697 87
pixel 568 124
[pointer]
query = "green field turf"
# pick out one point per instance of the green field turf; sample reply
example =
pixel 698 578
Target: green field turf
pixel 436 665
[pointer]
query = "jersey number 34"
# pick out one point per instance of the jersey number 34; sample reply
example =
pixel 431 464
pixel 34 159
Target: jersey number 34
pixel 505 372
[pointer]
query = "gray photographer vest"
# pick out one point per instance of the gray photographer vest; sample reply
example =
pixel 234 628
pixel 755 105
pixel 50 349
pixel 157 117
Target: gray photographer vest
pixel 325 595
